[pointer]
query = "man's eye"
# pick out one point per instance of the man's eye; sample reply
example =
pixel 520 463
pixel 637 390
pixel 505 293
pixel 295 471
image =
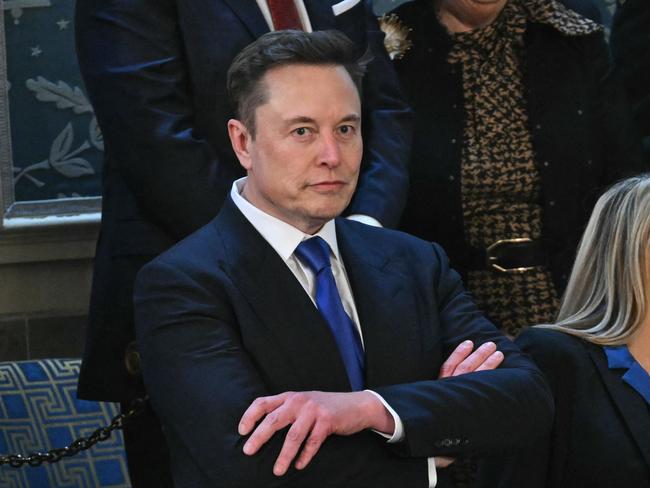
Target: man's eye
pixel 301 131
pixel 346 129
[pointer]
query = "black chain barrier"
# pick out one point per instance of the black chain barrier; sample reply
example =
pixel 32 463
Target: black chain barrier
pixel 35 459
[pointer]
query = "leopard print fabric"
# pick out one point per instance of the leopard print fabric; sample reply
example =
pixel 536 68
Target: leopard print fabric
pixel 500 181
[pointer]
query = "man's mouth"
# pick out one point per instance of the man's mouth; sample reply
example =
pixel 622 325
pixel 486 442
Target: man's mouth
pixel 329 185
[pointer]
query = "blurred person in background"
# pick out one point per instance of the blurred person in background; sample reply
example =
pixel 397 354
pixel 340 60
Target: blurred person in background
pixel 519 124
pixel 518 127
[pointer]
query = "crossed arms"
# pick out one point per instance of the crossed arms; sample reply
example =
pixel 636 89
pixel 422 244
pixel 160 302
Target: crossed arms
pixel 313 416
pixel 195 344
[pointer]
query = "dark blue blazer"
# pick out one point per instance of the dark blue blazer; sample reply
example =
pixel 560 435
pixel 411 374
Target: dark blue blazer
pixel 155 71
pixel 601 433
pixel 222 320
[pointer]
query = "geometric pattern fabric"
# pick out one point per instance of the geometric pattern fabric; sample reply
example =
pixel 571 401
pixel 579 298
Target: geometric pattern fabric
pixel 39 410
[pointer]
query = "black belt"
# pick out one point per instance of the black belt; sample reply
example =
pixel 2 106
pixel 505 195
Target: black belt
pixel 508 256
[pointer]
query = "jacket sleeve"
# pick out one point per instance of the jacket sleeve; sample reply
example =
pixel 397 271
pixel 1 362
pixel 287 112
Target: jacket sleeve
pixel 476 412
pixel 201 379
pixel 131 55
pixel 387 131
pixel 542 463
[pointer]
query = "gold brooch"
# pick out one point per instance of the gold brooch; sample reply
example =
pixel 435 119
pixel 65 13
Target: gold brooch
pixel 396 40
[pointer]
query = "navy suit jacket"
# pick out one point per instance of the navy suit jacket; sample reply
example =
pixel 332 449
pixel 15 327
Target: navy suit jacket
pixel 155 71
pixel 221 320
pixel 601 433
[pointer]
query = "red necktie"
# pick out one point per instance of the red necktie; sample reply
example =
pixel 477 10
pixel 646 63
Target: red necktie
pixel 284 14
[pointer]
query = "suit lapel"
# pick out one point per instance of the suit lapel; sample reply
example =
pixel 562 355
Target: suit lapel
pixel 384 303
pixel 631 406
pixel 250 14
pixel 281 304
pixel 320 14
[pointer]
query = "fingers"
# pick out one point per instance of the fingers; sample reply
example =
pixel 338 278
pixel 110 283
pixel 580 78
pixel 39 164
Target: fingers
pixel 318 435
pixel 443 462
pixel 256 410
pixel 476 359
pixel 493 362
pixel 463 360
pixel 310 426
pixel 460 353
pixel 292 442
pixel 274 421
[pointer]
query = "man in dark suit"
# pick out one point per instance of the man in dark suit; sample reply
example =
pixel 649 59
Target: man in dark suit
pixel 155 71
pixel 259 332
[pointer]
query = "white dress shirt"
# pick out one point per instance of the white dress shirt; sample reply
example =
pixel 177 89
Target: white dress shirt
pixel 284 239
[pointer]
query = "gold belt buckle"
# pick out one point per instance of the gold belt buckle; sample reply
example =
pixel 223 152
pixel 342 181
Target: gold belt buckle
pixel 492 261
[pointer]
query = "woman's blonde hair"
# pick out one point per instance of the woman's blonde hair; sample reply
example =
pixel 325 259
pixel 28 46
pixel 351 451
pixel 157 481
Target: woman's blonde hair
pixel 606 299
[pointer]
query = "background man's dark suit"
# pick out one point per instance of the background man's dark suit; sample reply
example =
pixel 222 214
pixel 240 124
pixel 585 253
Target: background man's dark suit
pixel 630 41
pixel 155 71
pixel 222 320
pixel 601 434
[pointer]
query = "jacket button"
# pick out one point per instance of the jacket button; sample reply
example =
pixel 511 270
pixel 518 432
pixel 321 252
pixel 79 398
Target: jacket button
pixel 546 163
pixel 132 360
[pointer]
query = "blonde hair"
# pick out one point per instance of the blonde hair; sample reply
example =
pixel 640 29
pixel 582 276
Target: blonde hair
pixel 606 298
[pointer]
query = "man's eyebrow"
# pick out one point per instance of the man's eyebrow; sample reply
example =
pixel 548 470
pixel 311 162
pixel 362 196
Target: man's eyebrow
pixel 302 119
pixel 351 118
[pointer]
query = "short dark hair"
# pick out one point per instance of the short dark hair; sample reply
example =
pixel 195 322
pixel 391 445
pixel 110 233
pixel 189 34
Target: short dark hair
pixel 282 48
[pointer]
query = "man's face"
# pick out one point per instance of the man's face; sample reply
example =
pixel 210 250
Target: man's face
pixel 304 162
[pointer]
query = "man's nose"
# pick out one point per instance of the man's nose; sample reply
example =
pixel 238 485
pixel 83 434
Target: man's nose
pixel 330 153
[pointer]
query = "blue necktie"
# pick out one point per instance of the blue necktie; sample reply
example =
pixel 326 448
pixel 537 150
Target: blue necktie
pixel 315 253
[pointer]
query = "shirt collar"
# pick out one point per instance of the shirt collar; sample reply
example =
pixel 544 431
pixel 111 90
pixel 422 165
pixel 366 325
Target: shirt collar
pixel 282 237
pixel 619 357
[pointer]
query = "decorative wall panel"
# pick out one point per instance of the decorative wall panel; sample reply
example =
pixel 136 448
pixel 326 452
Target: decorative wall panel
pixel 39 410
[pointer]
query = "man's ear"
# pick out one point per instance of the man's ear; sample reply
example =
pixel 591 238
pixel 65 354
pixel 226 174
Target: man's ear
pixel 239 139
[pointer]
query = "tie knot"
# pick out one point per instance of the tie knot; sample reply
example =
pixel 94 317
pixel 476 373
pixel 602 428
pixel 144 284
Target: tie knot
pixel 315 253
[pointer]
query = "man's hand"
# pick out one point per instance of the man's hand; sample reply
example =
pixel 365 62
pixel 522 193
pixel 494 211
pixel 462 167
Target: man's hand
pixel 463 360
pixel 313 416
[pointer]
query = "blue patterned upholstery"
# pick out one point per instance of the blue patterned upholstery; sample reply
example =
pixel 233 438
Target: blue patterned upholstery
pixel 38 411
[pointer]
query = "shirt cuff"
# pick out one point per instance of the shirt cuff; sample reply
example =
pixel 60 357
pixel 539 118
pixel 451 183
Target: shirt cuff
pixel 398 434
pixel 433 474
pixel 365 219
